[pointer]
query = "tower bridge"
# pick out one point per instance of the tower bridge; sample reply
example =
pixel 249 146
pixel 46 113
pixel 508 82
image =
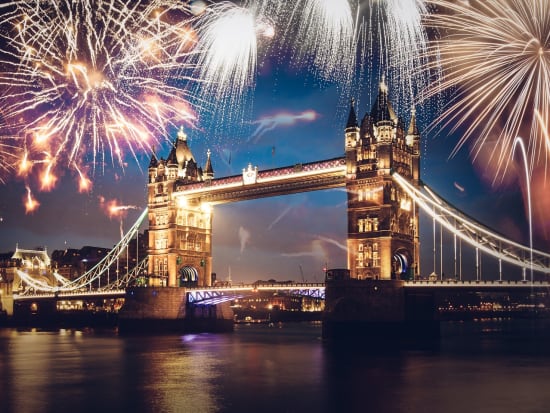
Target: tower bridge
pixel 380 171
pixel 382 230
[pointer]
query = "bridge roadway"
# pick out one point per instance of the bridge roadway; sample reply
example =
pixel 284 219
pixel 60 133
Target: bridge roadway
pixel 476 286
pixel 214 295
pixel 69 295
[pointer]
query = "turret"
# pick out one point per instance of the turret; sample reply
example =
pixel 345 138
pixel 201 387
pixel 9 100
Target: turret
pixel 153 164
pixel 413 140
pixel 183 153
pixel 384 125
pixel 382 112
pixel 352 139
pixel 208 170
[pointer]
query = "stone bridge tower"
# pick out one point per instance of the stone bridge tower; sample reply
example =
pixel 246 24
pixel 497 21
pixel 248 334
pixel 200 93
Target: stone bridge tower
pixel 180 229
pixel 383 240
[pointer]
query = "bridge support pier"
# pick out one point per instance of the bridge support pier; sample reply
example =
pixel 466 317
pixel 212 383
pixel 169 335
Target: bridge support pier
pixel 165 309
pixel 377 313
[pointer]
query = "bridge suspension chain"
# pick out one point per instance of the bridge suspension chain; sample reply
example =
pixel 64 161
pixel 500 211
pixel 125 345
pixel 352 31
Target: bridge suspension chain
pixel 474 233
pixel 95 273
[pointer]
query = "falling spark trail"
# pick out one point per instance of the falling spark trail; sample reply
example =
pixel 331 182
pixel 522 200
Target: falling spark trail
pixel 281 215
pixel 334 242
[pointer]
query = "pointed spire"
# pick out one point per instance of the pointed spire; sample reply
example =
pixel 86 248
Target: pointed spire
pixel 382 109
pixel 383 87
pixel 172 158
pixel 209 171
pixel 413 129
pixel 153 163
pixel 352 117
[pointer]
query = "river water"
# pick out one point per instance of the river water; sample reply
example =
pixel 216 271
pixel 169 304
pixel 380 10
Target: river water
pixel 476 366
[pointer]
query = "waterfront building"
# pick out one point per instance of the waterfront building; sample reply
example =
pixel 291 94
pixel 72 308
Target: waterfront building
pixel 35 264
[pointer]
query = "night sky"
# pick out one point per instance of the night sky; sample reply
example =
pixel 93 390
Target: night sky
pixel 288 237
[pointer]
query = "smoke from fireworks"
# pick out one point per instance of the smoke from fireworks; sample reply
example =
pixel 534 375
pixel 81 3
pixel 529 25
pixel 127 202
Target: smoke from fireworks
pixel 268 123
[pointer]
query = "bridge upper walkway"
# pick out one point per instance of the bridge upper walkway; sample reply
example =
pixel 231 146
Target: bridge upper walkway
pixel 300 177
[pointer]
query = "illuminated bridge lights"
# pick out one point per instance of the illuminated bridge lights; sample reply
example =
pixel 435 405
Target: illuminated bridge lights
pixel 215 295
pixel 302 177
pixel 473 233
pixel 72 294
pixel 307 174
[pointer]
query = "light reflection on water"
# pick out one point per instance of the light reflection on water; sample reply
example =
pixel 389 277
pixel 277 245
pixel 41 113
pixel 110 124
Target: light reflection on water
pixel 501 366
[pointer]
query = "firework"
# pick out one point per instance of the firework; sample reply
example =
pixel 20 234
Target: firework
pixel 31 204
pixel 8 159
pixel 496 60
pixel 324 37
pixel 90 82
pixel 393 41
pixel 113 209
pixel 228 40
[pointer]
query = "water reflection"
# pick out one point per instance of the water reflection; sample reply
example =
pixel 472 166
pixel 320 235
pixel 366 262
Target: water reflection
pixel 487 367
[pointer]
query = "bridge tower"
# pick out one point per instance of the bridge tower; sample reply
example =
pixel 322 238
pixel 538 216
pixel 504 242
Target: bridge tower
pixel 383 240
pixel 180 229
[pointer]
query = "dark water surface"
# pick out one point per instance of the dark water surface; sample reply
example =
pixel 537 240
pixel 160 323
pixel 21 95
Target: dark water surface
pixel 493 366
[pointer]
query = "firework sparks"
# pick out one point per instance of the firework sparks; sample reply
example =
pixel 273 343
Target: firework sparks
pixel 228 35
pixel 496 57
pixel 324 37
pixel 31 204
pixel 114 209
pixel 8 159
pixel 95 78
pixel 392 36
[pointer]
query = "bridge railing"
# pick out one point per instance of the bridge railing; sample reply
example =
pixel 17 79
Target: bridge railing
pixel 214 295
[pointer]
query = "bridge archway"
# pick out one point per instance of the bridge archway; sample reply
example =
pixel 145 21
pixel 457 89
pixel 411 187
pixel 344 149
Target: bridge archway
pixel 401 264
pixel 188 275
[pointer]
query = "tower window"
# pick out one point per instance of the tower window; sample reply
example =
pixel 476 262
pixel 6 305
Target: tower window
pixel 368 224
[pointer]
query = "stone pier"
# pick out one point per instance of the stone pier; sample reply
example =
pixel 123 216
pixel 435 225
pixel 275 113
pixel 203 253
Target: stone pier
pixel 377 311
pixel 165 309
